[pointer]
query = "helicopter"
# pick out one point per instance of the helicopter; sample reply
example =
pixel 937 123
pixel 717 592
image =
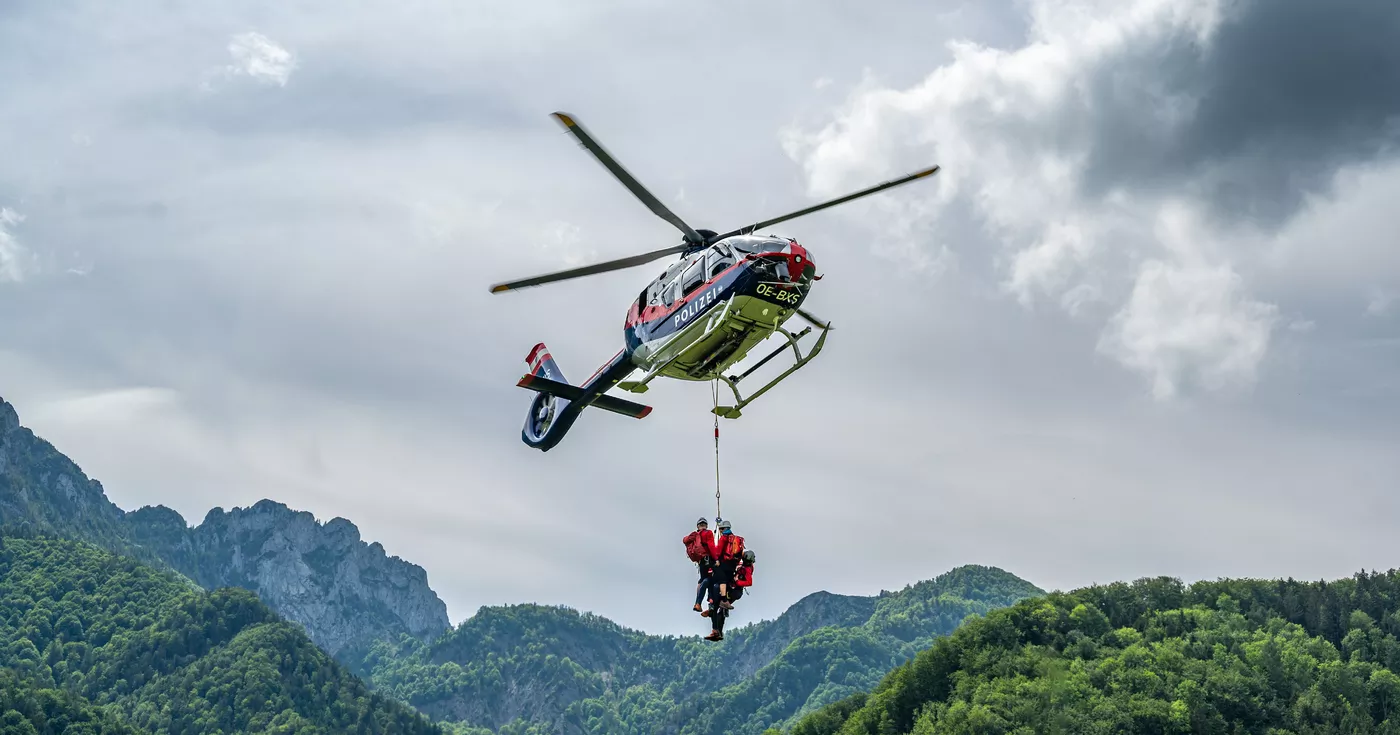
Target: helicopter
pixel 725 294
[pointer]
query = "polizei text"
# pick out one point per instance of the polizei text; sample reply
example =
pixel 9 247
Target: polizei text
pixel 695 307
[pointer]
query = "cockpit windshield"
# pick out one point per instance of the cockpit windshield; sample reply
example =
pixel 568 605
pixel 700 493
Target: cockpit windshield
pixel 752 244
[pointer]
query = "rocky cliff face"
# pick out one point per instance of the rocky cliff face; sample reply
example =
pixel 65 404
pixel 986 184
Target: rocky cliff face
pixel 45 491
pixel 344 591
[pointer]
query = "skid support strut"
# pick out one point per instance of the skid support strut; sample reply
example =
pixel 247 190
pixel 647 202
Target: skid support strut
pixel 715 321
pixel 733 412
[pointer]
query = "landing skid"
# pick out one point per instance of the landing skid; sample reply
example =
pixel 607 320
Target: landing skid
pixel 716 321
pixel 733 412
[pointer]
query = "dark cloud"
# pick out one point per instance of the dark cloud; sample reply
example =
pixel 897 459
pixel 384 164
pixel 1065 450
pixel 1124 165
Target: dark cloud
pixel 1283 94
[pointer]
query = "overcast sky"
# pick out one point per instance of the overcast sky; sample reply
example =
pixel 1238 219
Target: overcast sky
pixel 1143 322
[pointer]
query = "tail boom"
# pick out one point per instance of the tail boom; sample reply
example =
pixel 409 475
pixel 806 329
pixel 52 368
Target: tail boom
pixel 557 403
pixel 574 393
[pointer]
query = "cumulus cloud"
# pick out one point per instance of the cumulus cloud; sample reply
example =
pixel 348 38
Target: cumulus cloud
pixel 13 257
pixel 258 57
pixel 1089 152
pixel 1189 317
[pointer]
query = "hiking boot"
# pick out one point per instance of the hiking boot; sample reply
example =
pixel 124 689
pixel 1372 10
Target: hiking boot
pixel 696 608
pixel 704 613
pixel 714 636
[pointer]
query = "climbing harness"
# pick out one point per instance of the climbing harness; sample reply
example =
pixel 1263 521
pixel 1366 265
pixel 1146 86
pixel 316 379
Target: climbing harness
pixel 714 390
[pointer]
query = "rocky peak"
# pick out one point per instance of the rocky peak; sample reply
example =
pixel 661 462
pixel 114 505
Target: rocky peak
pixel 9 418
pixel 42 489
pixel 343 591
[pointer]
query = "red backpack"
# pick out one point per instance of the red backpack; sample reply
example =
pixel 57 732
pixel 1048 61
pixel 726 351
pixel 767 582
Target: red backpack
pixel 695 547
pixel 731 547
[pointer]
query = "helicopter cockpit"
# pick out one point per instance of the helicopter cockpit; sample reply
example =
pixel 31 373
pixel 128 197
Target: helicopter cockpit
pixel 684 277
pixel 752 244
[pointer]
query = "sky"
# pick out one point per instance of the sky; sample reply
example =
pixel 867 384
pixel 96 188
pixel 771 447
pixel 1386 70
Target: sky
pixel 1142 322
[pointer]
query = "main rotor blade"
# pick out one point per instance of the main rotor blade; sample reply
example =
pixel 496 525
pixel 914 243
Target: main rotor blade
pixel 627 180
pixel 588 270
pixel 832 203
pixel 813 320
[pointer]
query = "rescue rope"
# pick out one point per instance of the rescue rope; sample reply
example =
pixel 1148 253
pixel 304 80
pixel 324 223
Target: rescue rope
pixel 714 390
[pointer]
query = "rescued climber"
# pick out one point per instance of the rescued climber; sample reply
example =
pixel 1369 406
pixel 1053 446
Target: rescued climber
pixel 717 618
pixel 728 554
pixel 700 547
pixel 743 577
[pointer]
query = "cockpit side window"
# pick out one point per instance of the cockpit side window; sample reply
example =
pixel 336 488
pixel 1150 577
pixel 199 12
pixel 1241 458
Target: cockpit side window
pixel 694 277
pixel 719 259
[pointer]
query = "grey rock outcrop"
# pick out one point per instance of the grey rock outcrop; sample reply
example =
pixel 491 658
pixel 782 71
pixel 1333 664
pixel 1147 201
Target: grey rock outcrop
pixel 9 419
pixel 44 491
pixel 343 591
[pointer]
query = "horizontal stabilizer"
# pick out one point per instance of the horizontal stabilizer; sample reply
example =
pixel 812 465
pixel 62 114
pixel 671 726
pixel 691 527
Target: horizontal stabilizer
pixel 574 393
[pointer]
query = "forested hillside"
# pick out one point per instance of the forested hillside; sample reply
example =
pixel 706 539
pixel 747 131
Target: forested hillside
pixel 538 669
pixel 92 642
pixel 1156 656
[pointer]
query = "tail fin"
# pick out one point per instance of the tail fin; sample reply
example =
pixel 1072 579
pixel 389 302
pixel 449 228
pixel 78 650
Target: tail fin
pixel 557 403
pixel 546 407
pixel 542 365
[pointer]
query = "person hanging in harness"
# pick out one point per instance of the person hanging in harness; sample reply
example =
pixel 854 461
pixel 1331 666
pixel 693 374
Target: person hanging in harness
pixel 729 551
pixel 743 577
pixel 700 547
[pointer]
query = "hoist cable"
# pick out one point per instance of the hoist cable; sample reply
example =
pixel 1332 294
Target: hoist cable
pixel 714 390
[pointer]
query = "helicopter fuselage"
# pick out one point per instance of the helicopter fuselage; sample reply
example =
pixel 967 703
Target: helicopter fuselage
pixel 708 309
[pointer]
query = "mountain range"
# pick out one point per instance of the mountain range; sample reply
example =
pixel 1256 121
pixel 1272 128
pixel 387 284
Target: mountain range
pixel 513 669
pixel 529 668
pixel 263 619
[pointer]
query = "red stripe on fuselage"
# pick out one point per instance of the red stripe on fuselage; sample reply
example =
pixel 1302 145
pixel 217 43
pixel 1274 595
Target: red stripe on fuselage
pixel 600 370
pixel 654 313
